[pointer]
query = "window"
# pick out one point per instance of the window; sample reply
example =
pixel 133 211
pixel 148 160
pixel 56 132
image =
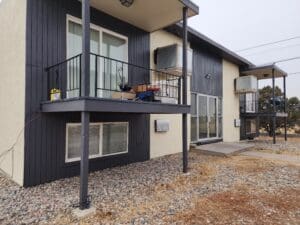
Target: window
pixel 105 139
pixel 105 43
pixel 250 102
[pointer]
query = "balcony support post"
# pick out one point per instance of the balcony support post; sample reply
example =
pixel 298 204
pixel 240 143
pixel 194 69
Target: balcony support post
pixel 274 106
pixel 184 89
pixel 285 108
pixel 85 116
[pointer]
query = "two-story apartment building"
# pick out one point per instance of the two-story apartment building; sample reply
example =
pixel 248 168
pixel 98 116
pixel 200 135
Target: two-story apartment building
pixel 84 87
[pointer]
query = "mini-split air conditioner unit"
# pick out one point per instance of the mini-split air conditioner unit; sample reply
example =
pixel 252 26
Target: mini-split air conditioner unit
pixel 169 59
pixel 246 84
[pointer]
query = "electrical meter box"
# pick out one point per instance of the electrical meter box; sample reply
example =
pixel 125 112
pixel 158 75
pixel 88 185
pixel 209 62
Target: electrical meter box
pixel 162 125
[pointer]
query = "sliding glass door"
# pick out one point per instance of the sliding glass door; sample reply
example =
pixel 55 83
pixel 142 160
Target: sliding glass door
pixel 74 47
pixel 212 117
pixel 202 117
pixel 109 50
pixel 114 72
pixel 206 117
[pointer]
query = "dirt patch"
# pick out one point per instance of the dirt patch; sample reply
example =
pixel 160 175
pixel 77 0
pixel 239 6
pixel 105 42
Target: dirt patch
pixel 265 144
pixel 243 206
pixel 280 151
pixel 250 165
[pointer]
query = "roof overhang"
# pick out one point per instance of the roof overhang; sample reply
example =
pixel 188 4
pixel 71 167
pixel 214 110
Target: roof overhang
pixel 264 71
pixel 201 41
pixel 149 15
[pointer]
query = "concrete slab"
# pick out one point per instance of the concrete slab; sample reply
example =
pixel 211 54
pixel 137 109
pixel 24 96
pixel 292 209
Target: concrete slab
pixel 224 149
pixel 83 213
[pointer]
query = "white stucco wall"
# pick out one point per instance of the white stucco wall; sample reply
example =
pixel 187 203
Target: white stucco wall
pixel 170 142
pixel 12 87
pixel 231 103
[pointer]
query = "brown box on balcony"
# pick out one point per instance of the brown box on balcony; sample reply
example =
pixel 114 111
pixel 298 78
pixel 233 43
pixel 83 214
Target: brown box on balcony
pixel 140 88
pixel 123 95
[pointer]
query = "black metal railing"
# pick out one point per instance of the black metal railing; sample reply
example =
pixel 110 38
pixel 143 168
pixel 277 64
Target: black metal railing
pixel 108 77
pixel 254 106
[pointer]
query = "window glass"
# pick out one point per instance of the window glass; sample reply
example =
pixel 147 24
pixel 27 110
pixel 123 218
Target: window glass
pixel 114 47
pixel 114 138
pixel 220 116
pixel 194 135
pixel 213 117
pixel 114 72
pixel 75 48
pixel 74 134
pixel 194 105
pixel 202 110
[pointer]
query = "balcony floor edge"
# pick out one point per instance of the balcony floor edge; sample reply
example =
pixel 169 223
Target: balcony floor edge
pixel 89 104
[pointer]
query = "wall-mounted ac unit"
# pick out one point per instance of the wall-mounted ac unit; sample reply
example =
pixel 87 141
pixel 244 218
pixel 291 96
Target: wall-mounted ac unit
pixel 246 84
pixel 169 59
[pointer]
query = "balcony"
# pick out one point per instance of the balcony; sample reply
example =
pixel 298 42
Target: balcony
pixel 115 86
pixel 260 108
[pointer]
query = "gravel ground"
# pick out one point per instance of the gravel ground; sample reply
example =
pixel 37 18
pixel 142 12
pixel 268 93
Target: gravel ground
pixel 292 146
pixel 151 192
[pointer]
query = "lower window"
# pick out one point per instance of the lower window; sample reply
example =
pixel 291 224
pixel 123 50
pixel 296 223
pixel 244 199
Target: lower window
pixel 105 139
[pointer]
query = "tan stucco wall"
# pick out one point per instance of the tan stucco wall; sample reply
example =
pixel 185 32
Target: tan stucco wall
pixel 170 142
pixel 231 103
pixel 12 86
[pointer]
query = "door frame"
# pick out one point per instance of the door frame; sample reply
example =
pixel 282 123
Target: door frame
pixel 100 30
pixel 217 137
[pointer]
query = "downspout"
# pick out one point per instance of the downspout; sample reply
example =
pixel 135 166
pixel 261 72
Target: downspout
pixel 85 116
pixel 184 89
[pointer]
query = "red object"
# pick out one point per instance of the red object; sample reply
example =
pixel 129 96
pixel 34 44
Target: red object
pixel 153 88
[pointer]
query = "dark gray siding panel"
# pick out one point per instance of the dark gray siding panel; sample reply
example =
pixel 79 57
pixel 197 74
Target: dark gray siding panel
pixel 204 63
pixel 45 133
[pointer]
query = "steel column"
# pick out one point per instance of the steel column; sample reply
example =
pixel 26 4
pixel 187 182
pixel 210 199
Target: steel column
pixel 274 106
pixel 84 163
pixel 85 78
pixel 85 116
pixel 285 108
pixel 184 89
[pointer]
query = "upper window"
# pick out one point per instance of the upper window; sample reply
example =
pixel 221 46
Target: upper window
pixel 105 139
pixel 106 72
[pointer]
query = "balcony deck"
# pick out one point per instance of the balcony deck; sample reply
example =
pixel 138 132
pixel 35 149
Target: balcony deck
pixel 254 108
pixel 263 114
pixel 90 104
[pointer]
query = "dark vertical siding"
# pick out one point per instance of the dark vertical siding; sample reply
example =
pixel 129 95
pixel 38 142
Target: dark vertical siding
pixel 45 133
pixel 205 62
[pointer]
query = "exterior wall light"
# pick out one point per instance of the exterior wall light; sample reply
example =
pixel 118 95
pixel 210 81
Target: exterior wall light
pixel 208 76
pixel 127 3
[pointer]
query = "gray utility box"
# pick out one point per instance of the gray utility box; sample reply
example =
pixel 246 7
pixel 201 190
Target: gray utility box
pixel 162 126
pixel 246 84
pixel 169 59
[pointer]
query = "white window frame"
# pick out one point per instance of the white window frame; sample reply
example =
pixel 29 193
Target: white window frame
pixel 100 147
pixel 217 116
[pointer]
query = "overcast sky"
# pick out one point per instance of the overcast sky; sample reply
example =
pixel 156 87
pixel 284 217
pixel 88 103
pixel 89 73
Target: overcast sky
pixel 238 24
